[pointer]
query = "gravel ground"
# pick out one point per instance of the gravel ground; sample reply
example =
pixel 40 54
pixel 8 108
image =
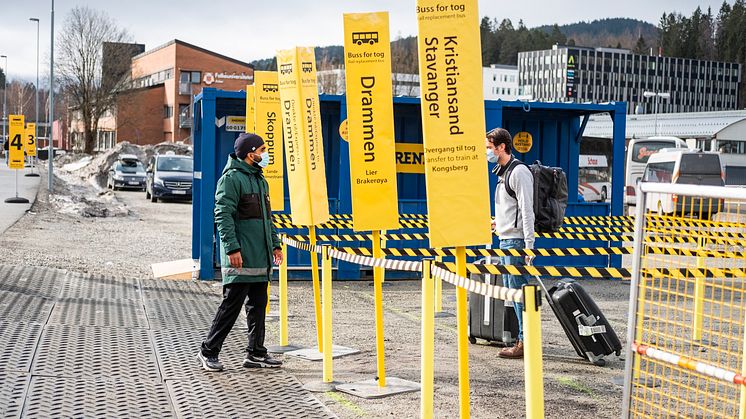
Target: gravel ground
pixel 127 245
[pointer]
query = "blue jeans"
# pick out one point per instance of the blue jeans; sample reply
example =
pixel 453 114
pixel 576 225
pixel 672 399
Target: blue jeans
pixel 515 281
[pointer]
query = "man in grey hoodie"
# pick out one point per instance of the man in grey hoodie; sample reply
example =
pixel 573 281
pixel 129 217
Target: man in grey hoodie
pixel 514 216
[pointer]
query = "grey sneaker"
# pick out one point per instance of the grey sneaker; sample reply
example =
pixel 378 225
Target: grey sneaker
pixel 209 363
pixel 265 361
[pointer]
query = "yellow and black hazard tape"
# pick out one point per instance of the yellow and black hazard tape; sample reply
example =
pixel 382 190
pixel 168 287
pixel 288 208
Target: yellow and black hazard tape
pixel 542 252
pixel 549 271
pixel 342 225
pixel 477 287
pixel 591 272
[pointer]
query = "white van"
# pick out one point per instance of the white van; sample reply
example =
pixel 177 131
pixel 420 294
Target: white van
pixel 639 151
pixel 684 167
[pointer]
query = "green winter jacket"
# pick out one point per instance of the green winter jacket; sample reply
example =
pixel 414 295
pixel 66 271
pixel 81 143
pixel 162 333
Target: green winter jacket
pixel 244 220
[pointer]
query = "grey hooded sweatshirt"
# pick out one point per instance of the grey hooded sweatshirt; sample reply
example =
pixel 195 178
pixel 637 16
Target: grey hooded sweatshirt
pixel 506 223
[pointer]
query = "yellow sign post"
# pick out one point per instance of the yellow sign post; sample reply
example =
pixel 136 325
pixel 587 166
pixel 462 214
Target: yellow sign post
pixel 370 133
pixel 31 147
pixel 370 122
pixel 304 152
pixel 16 152
pixel 250 109
pixel 453 125
pixel 17 140
pixel 269 127
pixel 31 139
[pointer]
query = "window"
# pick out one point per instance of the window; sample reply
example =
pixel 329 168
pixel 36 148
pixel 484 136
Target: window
pixel 168 111
pixel 659 172
pixel 184 77
pixel 196 77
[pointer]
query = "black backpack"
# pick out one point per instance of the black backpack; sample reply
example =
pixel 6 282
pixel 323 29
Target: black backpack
pixel 550 195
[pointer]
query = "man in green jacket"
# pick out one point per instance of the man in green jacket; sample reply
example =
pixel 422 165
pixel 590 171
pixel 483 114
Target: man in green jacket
pixel 248 247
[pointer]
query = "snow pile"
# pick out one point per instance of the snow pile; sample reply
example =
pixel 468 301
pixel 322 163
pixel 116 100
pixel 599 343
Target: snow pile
pixel 74 197
pixel 96 169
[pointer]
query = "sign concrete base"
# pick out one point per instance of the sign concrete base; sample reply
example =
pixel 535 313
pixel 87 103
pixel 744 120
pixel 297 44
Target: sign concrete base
pixel 279 349
pixel 321 387
pixel 313 354
pixel 369 389
pixel 16 200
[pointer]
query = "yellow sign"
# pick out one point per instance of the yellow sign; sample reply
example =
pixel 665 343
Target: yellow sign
pixel 250 109
pixel 343 130
pixel 370 116
pixel 301 125
pixel 522 142
pixel 31 139
pixel 269 127
pixel 17 140
pixel 410 158
pixel 453 123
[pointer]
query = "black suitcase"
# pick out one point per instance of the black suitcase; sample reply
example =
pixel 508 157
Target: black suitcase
pixel 585 325
pixel 492 322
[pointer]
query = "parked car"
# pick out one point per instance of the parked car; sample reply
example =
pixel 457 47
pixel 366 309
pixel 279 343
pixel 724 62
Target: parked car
pixel 126 173
pixel 682 166
pixel 169 177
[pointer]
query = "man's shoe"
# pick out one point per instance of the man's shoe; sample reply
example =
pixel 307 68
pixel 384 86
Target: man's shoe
pixel 513 352
pixel 209 363
pixel 265 361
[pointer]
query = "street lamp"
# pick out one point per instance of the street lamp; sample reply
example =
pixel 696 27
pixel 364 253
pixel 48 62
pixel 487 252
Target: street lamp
pixel 5 97
pixel 50 165
pixel 36 118
pixel 658 95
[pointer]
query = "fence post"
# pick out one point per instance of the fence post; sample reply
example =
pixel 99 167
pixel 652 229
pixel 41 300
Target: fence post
pixel 326 267
pixel 284 296
pixel 699 292
pixel 316 288
pixel 462 327
pixel 378 278
pixel 438 289
pixel 637 288
pixel 427 359
pixel 742 402
pixel 533 362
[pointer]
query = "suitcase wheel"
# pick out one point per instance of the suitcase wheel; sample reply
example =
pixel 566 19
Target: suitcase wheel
pixel 600 362
pixel 472 340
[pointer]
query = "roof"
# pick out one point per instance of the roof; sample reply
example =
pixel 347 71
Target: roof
pixel 194 47
pixel 721 125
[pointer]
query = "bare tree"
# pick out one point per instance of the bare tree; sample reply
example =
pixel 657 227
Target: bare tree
pixel 330 77
pixel 80 65
pixel 21 99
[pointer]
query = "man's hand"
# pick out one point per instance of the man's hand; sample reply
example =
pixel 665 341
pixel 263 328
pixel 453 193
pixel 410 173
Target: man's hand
pixel 236 260
pixel 278 256
pixel 493 224
pixel 529 260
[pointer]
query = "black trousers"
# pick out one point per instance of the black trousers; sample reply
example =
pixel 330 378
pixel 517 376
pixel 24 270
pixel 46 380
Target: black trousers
pixel 253 296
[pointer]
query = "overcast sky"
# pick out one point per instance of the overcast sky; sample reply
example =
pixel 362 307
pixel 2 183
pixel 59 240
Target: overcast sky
pixel 248 30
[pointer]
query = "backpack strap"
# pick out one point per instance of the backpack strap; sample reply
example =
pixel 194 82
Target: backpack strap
pixel 512 164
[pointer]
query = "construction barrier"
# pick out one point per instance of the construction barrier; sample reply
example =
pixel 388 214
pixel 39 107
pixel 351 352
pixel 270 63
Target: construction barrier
pixel 431 271
pixel 686 337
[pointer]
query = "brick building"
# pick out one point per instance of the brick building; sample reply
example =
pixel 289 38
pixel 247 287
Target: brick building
pixel 157 106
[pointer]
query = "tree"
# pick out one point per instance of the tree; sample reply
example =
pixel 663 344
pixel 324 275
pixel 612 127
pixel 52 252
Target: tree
pixel 641 47
pixel 489 42
pixel 80 63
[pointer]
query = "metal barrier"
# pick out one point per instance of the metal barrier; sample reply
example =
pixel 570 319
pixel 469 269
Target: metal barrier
pixel 686 325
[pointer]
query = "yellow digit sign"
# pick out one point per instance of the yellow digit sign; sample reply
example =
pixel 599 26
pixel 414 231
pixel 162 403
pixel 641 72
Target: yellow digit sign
pixel 450 61
pixel 269 127
pixel 522 142
pixel 250 109
pixel 370 126
pixel 17 140
pixel 31 139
